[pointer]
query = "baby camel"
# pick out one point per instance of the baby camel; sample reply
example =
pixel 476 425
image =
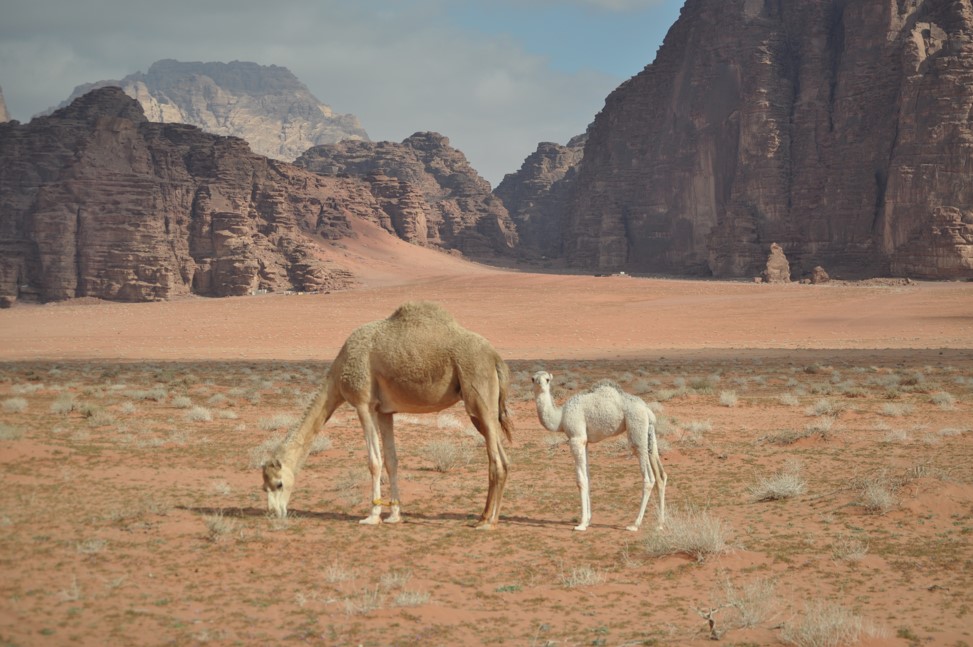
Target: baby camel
pixel 602 412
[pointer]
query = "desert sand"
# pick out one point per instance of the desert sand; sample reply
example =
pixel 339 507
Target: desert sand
pixel 131 437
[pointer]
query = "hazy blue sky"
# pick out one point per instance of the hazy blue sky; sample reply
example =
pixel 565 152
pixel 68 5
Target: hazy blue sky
pixel 495 76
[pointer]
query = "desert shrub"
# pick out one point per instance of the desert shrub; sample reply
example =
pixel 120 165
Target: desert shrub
pixel 446 455
pixel 893 410
pixel 449 422
pixel 182 402
pixel 753 603
pixel 63 404
pixel 366 601
pixel 264 451
pixel 728 398
pixel 411 598
pixel 277 422
pixel 335 573
pixel 15 405
pixel 824 407
pixel 218 527
pixel 582 576
pixel 788 399
pixel 695 430
pixel 784 484
pixel 199 414
pixel 824 624
pixel 877 495
pixel 9 432
pixel 320 444
pixel 692 532
pixel 944 400
pixel 849 549
pixel 157 394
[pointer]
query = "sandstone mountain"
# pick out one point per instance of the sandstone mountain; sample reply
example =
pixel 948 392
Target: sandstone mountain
pixel 264 104
pixel 95 200
pixel 840 130
pixel 4 115
pixel 428 189
pixel 537 194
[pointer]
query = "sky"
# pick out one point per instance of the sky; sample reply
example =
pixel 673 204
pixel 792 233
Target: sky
pixel 496 77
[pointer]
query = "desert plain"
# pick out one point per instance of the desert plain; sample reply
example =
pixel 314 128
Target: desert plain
pixel 818 442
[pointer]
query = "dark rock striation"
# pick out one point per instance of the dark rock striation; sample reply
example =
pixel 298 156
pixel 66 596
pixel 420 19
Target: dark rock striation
pixel 264 104
pixel 95 200
pixel 427 188
pixel 839 129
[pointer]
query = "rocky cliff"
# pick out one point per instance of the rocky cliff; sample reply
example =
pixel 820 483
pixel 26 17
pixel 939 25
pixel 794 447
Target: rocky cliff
pixel 427 188
pixel 839 129
pixel 264 104
pixel 95 200
pixel 537 195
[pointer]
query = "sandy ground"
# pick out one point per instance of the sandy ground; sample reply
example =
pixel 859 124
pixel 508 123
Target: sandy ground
pixel 131 434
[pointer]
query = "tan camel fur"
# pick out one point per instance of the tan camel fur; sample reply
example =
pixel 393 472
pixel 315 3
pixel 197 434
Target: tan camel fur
pixel 418 360
pixel 602 412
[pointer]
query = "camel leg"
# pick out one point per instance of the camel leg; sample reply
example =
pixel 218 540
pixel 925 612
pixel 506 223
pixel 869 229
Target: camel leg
pixel 648 480
pixel 579 447
pixel 385 425
pixel 374 464
pixel 497 474
pixel 660 483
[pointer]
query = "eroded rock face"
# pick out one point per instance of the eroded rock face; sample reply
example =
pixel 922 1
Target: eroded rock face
pixel 537 195
pixel 95 200
pixel 264 104
pixel 428 189
pixel 839 129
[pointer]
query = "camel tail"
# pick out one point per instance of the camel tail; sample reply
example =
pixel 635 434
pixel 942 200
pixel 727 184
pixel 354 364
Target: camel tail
pixel 503 375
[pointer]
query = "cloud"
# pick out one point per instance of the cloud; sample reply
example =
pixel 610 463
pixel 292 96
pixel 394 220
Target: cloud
pixel 400 66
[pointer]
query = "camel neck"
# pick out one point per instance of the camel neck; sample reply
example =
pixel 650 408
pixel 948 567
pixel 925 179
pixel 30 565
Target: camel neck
pixel 548 412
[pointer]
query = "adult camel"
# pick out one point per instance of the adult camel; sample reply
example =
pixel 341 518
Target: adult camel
pixel 418 360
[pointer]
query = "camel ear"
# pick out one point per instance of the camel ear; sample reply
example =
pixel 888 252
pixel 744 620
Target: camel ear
pixel 274 463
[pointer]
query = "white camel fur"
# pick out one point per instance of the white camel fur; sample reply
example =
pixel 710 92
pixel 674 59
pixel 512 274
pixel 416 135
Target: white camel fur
pixel 603 412
pixel 418 360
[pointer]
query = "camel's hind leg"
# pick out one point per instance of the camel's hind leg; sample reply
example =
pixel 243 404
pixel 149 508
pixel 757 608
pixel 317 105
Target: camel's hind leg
pixel 368 425
pixel 385 425
pixel 660 479
pixel 648 480
pixel 497 474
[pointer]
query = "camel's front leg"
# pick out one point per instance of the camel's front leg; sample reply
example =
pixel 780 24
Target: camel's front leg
pixel 385 425
pixel 374 464
pixel 579 447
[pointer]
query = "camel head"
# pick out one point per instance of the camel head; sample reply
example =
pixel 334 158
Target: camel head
pixel 278 484
pixel 542 382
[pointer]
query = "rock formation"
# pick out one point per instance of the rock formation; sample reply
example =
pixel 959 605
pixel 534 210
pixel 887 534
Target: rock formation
pixel 95 200
pixel 840 129
pixel 778 269
pixel 819 275
pixel 429 190
pixel 265 105
pixel 4 115
pixel 537 195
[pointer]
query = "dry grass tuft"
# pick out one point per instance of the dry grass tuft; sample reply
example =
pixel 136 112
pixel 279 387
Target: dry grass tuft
pixel 785 484
pixel 582 576
pixel 824 624
pixel 691 532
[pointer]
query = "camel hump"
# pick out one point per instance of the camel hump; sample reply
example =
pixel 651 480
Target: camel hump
pixel 421 312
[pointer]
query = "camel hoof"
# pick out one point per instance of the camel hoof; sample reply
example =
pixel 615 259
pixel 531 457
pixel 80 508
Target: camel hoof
pixel 632 528
pixel 371 521
pixel 484 525
pixel 581 528
pixel 393 518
